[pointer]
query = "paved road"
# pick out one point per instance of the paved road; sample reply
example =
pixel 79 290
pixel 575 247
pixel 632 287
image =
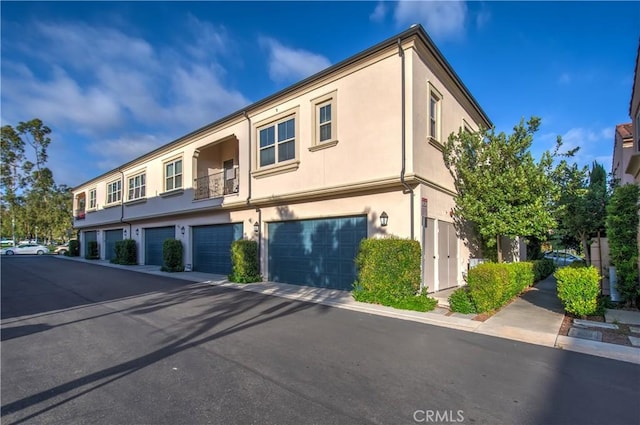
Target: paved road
pixel 88 344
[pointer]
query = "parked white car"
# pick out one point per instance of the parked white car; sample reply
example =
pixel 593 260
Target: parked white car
pixel 28 248
pixel 562 258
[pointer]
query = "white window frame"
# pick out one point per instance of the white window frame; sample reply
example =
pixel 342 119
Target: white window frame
pixel 93 199
pixel 139 185
pixel 331 100
pixel 283 166
pixel 434 97
pixel 166 177
pixel 112 191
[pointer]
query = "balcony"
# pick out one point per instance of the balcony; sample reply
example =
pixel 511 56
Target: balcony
pixel 217 184
pixel 80 214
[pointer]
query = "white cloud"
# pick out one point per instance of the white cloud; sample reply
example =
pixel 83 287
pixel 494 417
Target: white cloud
pixel 287 64
pixel 114 152
pixel 441 19
pixel 482 18
pixel 379 12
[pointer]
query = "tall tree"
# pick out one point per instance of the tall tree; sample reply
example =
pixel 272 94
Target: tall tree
pixel 500 188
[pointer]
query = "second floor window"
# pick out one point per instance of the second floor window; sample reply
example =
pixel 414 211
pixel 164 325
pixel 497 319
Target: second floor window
pixel 278 142
pixel 434 116
pixel 173 175
pixel 137 187
pixel 92 199
pixel 114 192
pixel 324 121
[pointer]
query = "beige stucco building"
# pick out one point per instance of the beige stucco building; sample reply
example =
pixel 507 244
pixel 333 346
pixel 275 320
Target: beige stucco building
pixel 308 172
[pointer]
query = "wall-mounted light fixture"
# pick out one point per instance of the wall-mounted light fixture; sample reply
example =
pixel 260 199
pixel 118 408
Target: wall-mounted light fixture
pixel 384 219
pixel 137 232
pixel 125 233
pixel 256 227
pixel 182 230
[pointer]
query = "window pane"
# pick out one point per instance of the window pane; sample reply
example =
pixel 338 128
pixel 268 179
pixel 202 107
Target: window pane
pixel 286 150
pixel 325 114
pixel 267 136
pixel 432 128
pixel 267 156
pixel 286 130
pixel 169 170
pixel 142 178
pixel 131 194
pixel 142 192
pixel 131 183
pixel 325 132
pixel 178 181
pixel 178 167
pixel 170 183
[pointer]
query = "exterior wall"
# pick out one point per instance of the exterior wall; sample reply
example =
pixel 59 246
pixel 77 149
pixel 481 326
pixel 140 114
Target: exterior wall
pixel 622 152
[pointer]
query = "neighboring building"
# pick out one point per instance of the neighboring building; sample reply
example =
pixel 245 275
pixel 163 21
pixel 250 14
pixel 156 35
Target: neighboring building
pixel 312 167
pixel 623 149
pixel 633 168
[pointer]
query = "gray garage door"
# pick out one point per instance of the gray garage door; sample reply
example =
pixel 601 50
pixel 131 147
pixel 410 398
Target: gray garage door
pixel 316 252
pixel 212 246
pixel 153 240
pixel 88 237
pixel 110 239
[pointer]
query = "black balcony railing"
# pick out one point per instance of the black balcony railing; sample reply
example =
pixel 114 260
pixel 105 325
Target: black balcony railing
pixel 216 185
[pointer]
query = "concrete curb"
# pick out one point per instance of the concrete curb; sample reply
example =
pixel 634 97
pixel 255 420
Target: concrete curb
pixel 601 349
pixel 343 299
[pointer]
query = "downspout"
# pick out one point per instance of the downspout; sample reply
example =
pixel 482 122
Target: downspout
pixel 407 188
pixel 249 196
pixel 122 204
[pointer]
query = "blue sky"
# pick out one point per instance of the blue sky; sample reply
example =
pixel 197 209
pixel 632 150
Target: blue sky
pixel 116 80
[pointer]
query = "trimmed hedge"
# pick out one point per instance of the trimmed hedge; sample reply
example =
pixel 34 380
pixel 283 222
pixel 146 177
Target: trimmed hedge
pixel 389 274
pixel 74 248
pixel 492 285
pixel 92 251
pixel 126 253
pixel 543 268
pixel 244 262
pixel 172 256
pixel 578 264
pixel 578 289
pixel 460 301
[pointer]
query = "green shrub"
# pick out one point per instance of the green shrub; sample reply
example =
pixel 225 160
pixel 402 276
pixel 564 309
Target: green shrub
pixel 74 248
pixel 126 253
pixel 489 286
pixel 460 301
pixel 622 231
pixel 244 262
pixel 543 268
pixel 389 274
pixel 172 256
pixel 578 289
pixel 521 276
pixel 92 251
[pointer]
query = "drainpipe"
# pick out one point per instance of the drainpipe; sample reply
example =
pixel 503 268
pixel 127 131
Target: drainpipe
pixel 407 188
pixel 250 148
pixel 122 203
pixel 259 211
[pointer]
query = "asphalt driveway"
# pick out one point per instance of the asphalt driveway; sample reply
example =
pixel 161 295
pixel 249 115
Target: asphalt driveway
pixel 90 344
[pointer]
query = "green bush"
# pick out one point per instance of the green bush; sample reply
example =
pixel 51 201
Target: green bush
pixel 244 262
pixel 578 264
pixel 492 285
pixel 622 231
pixel 126 253
pixel 74 248
pixel 92 251
pixel 172 256
pixel 389 274
pixel 460 301
pixel 543 268
pixel 578 289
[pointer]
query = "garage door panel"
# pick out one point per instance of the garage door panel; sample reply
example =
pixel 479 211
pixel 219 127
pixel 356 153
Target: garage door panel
pixel 110 239
pixel 316 252
pixel 153 243
pixel 212 247
pixel 91 236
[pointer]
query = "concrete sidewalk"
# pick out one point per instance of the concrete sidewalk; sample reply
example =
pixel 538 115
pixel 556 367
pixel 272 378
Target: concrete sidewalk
pixel 534 318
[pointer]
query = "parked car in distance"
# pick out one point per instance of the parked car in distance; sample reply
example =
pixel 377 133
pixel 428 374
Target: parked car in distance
pixel 28 248
pixel 62 249
pixel 6 243
pixel 561 258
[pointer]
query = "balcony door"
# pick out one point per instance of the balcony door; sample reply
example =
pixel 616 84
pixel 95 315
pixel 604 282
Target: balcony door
pixel 229 176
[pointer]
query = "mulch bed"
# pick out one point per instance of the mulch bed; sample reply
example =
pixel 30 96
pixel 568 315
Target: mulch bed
pixel 611 336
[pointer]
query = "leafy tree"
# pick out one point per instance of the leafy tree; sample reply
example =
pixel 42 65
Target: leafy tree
pixel 31 201
pixel 500 188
